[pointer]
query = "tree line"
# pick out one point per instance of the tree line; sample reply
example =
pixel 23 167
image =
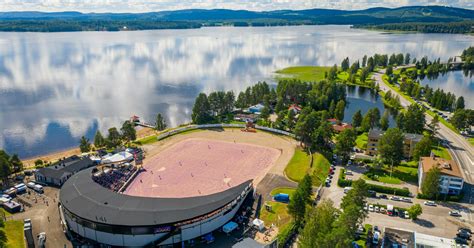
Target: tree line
pixel 114 138
pixel 9 164
pixel 463 27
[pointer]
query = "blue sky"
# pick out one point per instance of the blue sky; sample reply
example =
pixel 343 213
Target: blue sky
pixel 157 5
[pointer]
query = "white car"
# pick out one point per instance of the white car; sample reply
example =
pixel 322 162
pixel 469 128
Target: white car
pixel 404 199
pixel 407 216
pixel 371 208
pixel 376 209
pixel 430 203
pixel 349 173
pixel 395 198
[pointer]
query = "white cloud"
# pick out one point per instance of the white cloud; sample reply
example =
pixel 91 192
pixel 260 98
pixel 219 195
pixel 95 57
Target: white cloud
pixel 158 5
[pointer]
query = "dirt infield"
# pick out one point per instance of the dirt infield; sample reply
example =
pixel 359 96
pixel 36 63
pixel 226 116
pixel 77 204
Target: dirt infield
pixel 208 161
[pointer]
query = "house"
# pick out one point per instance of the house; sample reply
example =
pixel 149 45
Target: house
pixel 451 181
pixel 256 109
pixel 57 173
pixel 339 126
pixel 409 142
pixel 295 108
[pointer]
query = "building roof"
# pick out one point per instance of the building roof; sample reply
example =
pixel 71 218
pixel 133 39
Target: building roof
pixel 294 107
pixel 68 165
pixel 248 243
pixel 398 237
pixel 448 167
pixel 89 200
pixel 375 133
pixel 413 136
pixel 341 127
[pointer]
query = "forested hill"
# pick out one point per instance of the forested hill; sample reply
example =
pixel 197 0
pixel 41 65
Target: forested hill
pixel 195 18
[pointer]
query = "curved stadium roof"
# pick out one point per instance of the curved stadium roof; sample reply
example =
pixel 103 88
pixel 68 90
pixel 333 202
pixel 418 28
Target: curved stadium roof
pixel 89 200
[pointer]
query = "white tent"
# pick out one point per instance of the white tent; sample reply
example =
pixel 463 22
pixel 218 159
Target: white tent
pixel 259 224
pixel 118 157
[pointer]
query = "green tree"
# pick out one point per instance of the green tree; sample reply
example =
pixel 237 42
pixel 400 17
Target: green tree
pixel 332 73
pixel 433 126
pixel 5 168
pixel 318 231
pixel 38 163
pixel 430 184
pixel 84 144
pixel 201 110
pixel 384 122
pixel 422 148
pixel 160 122
pixel 306 187
pixel 414 211
pixel 297 206
pixel 357 119
pixel 16 163
pixel 128 131
pixel 265 114
pixel 414 119
pixel 113 139
pixel 391 146
pixel 345 64
pixel 389 70
pixel 339 110
pixel 460 103
pixel 99 140
pixel 345 141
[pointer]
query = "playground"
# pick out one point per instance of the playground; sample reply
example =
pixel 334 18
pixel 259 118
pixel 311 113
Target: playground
pixel 205 162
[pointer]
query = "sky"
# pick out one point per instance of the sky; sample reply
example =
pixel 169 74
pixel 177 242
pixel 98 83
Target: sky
pixel 259 5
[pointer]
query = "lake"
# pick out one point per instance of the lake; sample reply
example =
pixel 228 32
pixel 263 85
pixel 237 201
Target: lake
pixel 456 82
pixel 56 87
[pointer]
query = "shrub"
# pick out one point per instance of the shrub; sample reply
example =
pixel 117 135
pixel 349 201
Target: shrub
pixel 285 234
pixel 342 182
pixel 442 197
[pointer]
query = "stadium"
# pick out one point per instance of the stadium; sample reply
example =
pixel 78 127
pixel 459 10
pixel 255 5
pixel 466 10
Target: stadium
pixel 189 186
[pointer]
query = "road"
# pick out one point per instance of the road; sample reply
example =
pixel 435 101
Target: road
pixel 461 150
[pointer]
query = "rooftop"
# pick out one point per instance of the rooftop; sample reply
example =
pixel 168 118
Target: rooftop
pixel 71 165
pixel 448 167
pixel 398 238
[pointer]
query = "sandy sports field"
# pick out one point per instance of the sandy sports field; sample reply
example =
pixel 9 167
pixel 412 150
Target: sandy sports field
pixel 204 162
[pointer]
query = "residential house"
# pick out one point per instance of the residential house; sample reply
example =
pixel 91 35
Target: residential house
pixel 451 180
pixel 409 142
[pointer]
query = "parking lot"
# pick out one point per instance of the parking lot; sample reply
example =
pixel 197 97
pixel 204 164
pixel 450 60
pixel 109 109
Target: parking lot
pixel 433 221
pixel 43 211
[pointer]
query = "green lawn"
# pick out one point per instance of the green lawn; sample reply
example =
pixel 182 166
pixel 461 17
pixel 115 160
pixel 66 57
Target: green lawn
pixel 304 73
pixel 441 152
pixel 278 216
pixel 6 213
pixel 147 140
pixel 361 141
pixel 299 166
pixel 320 169
pixel 405 172
pixel 14 232
pixel 284 190
pixel 471 140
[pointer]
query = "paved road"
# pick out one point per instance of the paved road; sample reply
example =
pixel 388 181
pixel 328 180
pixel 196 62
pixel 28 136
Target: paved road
pixel 461 150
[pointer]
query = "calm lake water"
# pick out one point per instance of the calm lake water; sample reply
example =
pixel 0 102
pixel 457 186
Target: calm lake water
pixel 456 82
pixel 56 87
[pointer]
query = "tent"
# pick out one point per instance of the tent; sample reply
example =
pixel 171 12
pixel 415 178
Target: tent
pixel 118 157
pixel 229 227
pixel 281 197
pixel 259 224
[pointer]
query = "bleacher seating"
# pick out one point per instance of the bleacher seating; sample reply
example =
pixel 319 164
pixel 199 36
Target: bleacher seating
pixel 114 178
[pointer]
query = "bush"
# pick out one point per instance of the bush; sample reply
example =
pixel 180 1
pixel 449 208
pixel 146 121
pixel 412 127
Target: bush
pixel 285 234
pixel 442 197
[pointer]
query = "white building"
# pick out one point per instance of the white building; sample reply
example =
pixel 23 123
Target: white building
pixel 451 181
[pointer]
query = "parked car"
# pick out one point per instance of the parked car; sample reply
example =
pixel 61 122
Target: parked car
pixel 430 203
pixel 395 198
pixel 455 213
pixel 383 196
pixel 371 208
pixel 404 199
pixel 460 241
pixel 375 239
pixel 376 209
pixel 395 212
pixel 407 216
pixel 346 189
pixel 371 193
pixel 463 235
pixel 465 229
pixel 349 173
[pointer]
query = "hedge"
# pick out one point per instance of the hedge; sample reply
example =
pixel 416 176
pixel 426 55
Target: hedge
pixel 342 182
pixel 442 197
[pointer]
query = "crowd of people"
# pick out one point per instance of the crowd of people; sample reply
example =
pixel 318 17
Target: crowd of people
pixel 114 178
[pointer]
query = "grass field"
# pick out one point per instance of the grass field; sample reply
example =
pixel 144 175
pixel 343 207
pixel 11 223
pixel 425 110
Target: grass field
pixel 361 141
pixel 441 152
pixel 6 213
pixel 471 140
pixel 147 140
pixel 405 172
pixel 14 232
pixel 304 73
pixel 278 215
pixel 299 166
